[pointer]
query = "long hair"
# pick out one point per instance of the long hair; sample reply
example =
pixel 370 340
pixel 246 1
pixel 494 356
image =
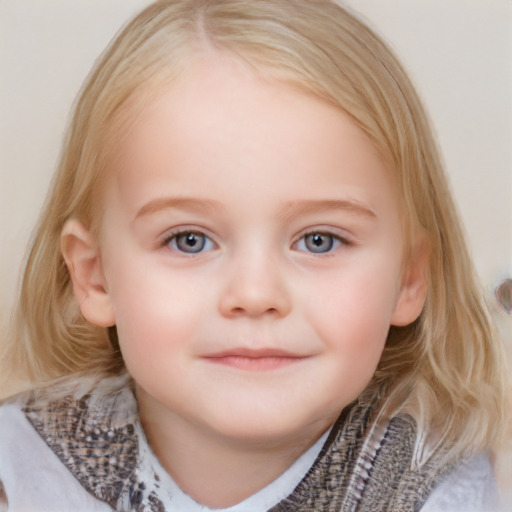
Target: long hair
pixel 446 367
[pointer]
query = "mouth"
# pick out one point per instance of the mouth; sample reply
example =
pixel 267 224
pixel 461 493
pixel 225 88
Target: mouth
pixel 264 359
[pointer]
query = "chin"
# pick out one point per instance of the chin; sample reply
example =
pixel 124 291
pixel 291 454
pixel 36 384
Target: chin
pixel 257 427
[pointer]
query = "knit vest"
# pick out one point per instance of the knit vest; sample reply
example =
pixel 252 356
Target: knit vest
pixel 364 466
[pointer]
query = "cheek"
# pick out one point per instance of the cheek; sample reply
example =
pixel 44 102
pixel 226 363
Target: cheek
pixel 351 314
pixel 155 314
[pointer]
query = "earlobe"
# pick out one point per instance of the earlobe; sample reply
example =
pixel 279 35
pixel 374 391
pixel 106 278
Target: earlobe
pixel 81 254
pixel 413 288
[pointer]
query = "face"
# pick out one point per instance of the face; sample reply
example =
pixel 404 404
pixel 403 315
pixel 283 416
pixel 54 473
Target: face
pixel 251 253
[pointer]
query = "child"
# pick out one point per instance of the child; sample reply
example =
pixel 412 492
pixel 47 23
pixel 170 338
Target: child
pixel 251 282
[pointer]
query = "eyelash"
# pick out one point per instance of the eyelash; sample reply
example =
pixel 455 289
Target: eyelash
pixel 335 242
pixel 172 241
pixel 303 244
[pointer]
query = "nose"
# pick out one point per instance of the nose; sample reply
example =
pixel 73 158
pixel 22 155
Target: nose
pixel 256 287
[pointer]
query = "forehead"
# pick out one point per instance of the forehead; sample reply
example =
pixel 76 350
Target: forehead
pixel 225 123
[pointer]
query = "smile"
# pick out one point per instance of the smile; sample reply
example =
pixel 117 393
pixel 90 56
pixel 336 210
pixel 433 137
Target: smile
pixel 255 360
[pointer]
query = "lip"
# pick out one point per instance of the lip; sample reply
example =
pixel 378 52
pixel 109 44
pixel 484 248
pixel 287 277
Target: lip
pixel 263 359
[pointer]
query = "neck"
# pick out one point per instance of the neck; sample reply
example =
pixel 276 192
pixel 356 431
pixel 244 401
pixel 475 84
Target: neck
pixel 214 471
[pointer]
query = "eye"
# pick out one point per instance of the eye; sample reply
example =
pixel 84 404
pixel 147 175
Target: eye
pixel 190 242
pixel 318 242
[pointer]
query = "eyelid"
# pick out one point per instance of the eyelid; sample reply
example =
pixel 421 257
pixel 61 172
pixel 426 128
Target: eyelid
pixel 343 237
pixel 184 229
pixel 339 233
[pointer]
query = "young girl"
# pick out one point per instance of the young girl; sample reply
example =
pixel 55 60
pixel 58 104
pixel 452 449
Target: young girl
pixel 250 283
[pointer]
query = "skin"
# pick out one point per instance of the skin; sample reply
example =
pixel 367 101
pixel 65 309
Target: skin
pixel 245 352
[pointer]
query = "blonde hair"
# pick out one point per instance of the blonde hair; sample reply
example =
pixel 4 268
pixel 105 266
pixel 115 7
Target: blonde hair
pixel 446 367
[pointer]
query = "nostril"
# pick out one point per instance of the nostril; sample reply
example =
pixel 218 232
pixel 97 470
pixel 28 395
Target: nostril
pixel 252 311
pixel 254 291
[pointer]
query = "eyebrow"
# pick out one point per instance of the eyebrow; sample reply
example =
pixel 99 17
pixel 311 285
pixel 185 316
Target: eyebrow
pixel 188 203
pixel 290 209
pixel 312 206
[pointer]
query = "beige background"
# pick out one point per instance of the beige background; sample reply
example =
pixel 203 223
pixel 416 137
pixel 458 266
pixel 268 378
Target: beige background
pixel 459 53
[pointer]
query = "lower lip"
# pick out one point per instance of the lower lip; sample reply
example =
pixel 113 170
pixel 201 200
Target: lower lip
pixel 255 364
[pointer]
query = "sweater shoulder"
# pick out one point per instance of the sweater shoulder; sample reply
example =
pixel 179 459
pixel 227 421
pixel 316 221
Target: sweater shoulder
pixel 31 475
pixel 470 486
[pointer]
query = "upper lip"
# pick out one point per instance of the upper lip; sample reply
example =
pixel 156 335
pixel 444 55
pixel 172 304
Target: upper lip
pixel 254 353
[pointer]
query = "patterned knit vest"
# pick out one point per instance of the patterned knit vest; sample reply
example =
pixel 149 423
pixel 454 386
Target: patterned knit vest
pixel 364 466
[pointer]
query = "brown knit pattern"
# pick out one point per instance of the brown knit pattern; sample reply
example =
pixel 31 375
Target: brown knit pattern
pixel 364 466
pixel 367 466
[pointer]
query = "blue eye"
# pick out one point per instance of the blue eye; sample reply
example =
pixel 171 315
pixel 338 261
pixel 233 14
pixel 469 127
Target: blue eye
pixel 190 242
pixel 318 242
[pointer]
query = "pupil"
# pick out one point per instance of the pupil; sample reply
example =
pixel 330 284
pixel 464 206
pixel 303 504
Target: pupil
pixel 191 240
pixel 318 240
pixel 319 243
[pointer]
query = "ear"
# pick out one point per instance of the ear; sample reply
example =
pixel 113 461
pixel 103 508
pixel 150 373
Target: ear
pixel 81 254
pixel 413 289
